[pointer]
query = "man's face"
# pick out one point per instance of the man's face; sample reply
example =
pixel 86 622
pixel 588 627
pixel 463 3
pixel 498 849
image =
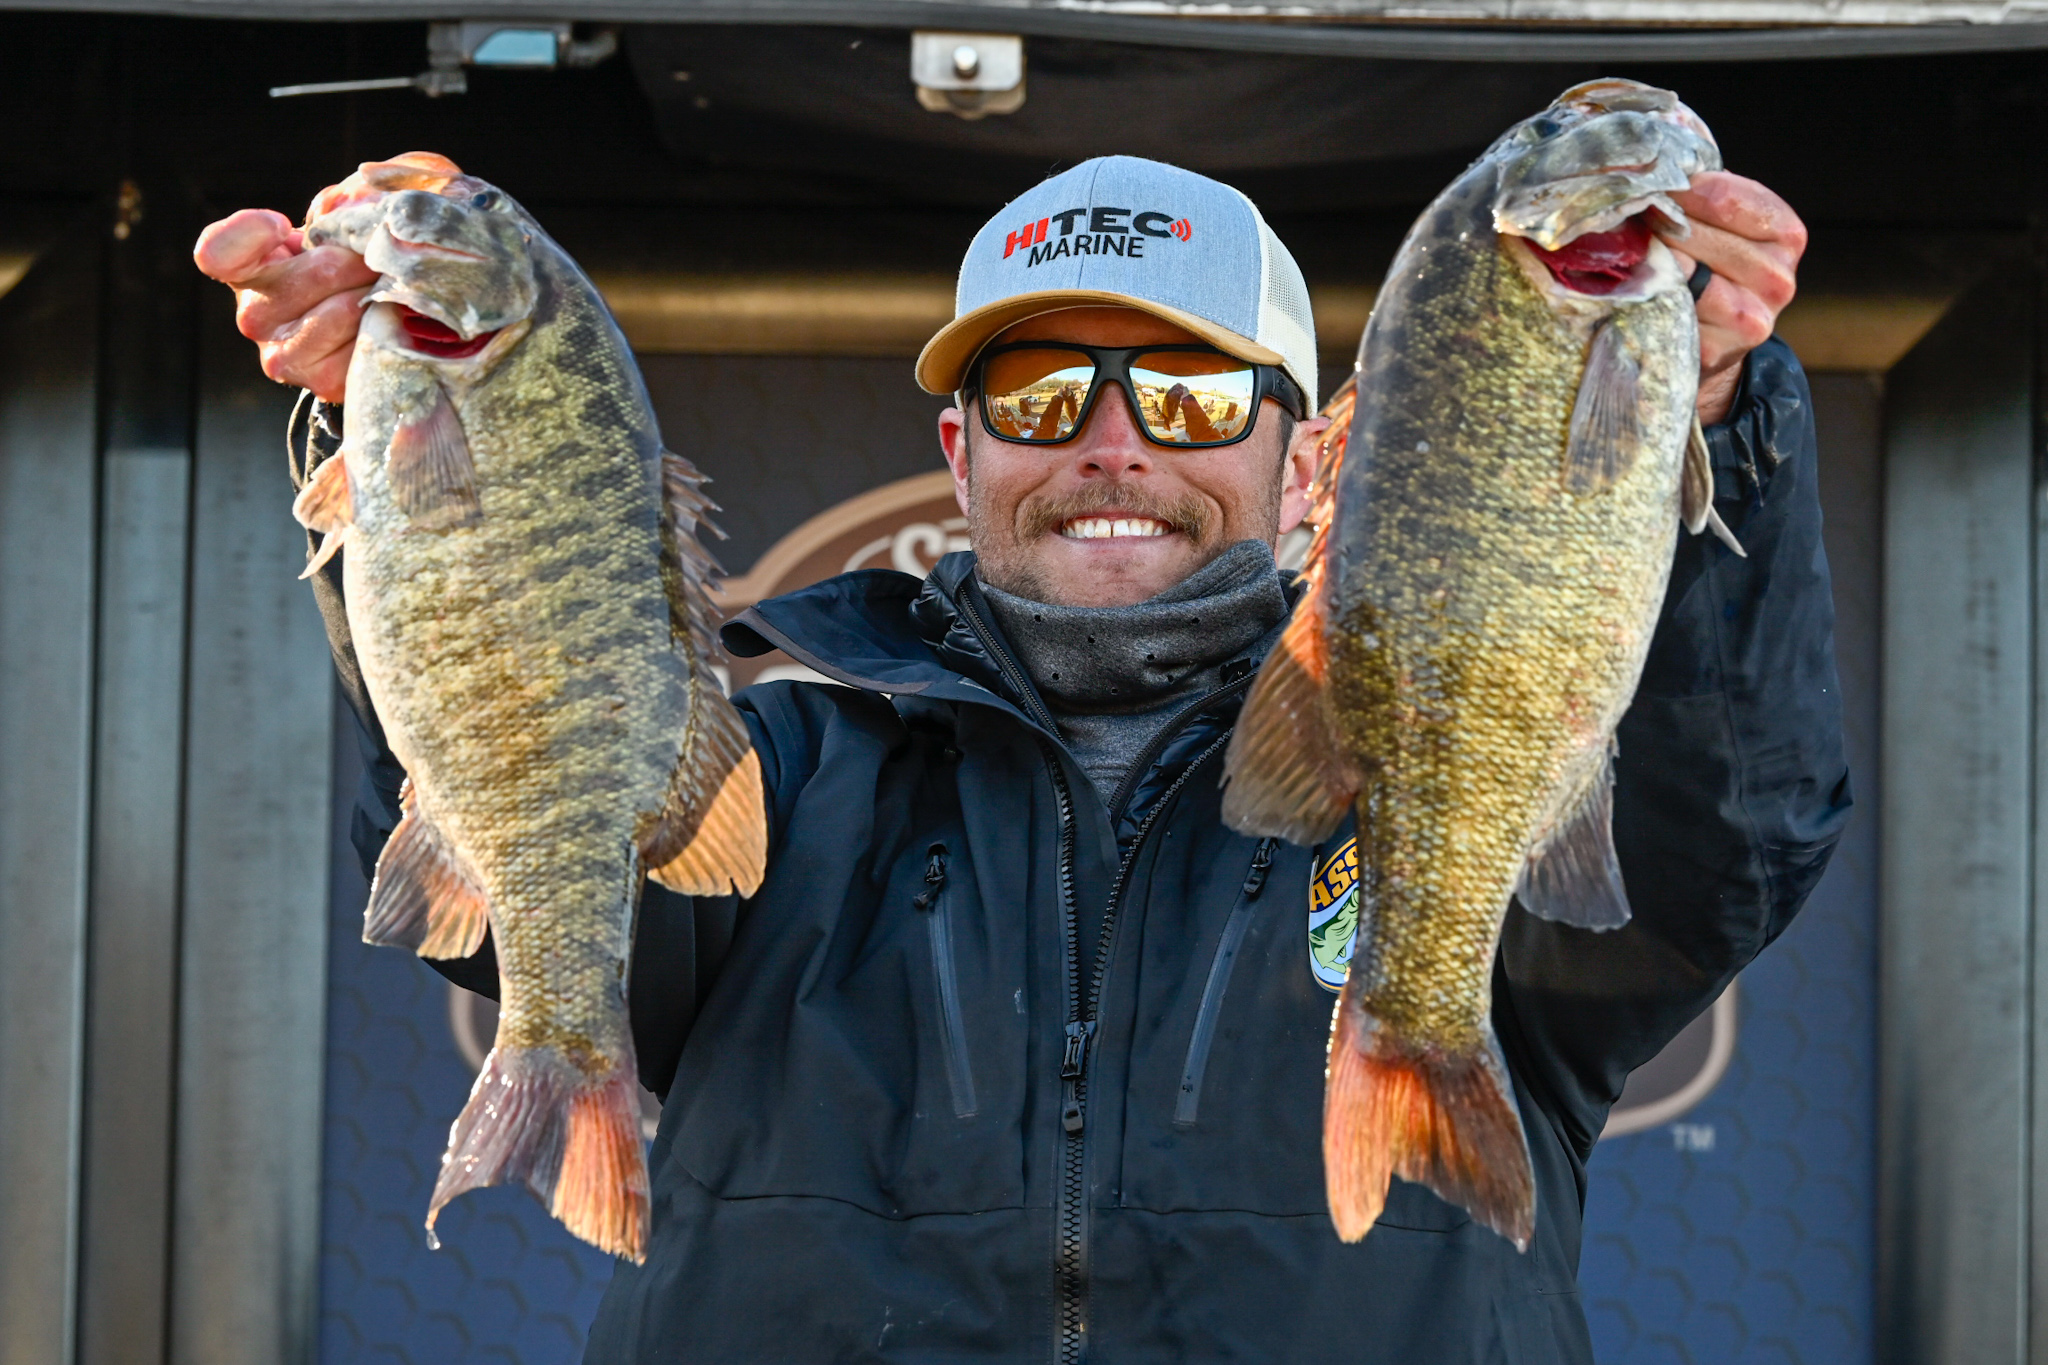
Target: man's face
pixel 1110 519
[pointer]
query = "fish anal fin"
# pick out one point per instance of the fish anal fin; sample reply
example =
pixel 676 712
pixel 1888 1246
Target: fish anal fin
pixel 433 478
pixel 424 898
pixel 1606 430
pixel 1446 1121
pixel 1284 773
pixel 571 1138
pixel 1574 877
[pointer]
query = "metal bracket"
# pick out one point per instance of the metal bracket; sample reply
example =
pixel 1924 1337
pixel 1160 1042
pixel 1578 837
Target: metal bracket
pixel 968 75
pixel 479 42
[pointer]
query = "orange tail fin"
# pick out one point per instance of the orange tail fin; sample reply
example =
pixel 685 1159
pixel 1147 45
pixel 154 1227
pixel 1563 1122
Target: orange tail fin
pixel 575 1142
pixel 1446 1121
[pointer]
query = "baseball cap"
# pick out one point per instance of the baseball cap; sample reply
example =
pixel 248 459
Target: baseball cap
pixel 1124 230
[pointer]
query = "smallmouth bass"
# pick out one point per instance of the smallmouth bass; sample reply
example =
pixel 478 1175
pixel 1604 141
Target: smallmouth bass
pixel 1495 530
pixel 529 604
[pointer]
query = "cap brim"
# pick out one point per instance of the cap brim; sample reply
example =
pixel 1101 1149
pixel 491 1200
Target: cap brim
pixel 943 363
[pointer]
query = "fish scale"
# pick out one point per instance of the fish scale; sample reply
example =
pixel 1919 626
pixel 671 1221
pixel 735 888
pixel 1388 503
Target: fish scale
pixel 1496 525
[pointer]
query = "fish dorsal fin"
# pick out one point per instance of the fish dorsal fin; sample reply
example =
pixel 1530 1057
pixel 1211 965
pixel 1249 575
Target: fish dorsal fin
pixel 326 505
pixel 1285 771
pixel 425 897
pixel 1574 876
pixel 1606 429
pixel 433 478
pixel 1696 491
pixel 711 835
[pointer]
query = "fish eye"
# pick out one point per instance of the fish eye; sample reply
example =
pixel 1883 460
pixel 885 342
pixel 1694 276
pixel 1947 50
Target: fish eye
pixel 1541 127
pixel 484 199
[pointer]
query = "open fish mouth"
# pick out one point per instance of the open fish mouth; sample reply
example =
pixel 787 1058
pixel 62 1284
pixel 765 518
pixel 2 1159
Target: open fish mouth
pixel 431 336
pixel 1599 263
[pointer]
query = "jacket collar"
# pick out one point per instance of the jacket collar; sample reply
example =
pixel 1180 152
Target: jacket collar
pixel 884 631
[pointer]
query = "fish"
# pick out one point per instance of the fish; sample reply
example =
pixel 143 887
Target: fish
pixel 1496 504
pixel 529 599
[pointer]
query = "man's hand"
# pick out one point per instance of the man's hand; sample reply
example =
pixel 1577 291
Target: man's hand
pixel 300 307
pixel 1752 241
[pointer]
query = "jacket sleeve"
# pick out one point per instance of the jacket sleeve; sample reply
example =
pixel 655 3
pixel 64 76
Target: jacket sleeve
pixel 1730 789
pixel 678 941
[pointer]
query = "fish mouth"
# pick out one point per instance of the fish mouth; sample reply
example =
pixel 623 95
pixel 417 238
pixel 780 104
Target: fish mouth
pixel 429 248
pixel 1113 527
pixel 1599 263
pixel 431 336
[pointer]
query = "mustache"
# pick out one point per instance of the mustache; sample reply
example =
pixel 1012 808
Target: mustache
pixel 1038 515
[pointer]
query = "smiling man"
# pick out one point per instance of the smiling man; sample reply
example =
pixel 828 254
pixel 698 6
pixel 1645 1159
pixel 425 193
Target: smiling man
pixel 1018 1052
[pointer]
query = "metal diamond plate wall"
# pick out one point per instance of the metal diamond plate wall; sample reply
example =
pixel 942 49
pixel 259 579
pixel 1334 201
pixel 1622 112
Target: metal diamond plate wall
pixel 1745 1233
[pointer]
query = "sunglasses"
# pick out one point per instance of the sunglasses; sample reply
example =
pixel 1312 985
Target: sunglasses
pixel 1040 393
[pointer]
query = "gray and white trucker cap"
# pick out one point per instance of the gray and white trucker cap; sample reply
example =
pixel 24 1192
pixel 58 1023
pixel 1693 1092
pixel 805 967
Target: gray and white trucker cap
pixel 1122 230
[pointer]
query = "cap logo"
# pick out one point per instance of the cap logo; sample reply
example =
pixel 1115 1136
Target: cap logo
pixel 1093 231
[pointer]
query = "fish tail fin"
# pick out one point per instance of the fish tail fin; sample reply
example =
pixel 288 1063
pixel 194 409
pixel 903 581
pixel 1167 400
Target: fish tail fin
pixel 1445 1122
pixel 1285 772
pixel 573 1139
pixel 712 836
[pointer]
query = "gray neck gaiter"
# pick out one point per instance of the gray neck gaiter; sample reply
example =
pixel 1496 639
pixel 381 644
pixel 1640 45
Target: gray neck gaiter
pixel 1113 676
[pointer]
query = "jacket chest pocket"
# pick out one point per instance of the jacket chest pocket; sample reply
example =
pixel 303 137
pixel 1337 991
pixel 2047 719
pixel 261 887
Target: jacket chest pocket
pixel 872 1054
pixel 935 904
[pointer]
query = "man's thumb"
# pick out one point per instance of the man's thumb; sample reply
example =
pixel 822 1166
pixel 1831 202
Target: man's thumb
pixel 241 245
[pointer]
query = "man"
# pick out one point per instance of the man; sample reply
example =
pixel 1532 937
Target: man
pixel 1018 1052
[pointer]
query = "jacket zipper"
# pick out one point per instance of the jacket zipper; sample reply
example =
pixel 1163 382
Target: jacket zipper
pixel 1070 1217
pixel 1189 1101
pixel 937 909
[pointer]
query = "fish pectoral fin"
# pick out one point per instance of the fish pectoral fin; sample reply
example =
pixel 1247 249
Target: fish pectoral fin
pixel 536 1117
pixel 1575 877
pixel 433 477
pixel 711 836
pixel 1285 774
pixel 424 898
pixel 1606 430
pixel 1444 1120
pixel 327 502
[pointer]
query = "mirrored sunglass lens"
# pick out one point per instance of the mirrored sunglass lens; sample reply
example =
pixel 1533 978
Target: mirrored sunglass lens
pixel 1036 395
pixel 1194 397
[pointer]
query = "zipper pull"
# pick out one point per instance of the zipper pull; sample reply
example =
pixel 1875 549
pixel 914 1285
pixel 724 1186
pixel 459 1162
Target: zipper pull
pixel 1073 1064
pixel 934 877
pixel 1262 862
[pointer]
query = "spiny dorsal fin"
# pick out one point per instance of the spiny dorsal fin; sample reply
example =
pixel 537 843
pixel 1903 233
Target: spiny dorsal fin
pixel 425 897
pixel 1284 771
pixel 711 836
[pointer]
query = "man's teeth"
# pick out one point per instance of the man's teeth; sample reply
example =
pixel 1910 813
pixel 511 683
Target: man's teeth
pixel 1103 528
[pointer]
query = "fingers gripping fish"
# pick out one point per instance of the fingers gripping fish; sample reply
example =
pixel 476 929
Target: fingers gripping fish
pixel 529 604
pixel 1495 532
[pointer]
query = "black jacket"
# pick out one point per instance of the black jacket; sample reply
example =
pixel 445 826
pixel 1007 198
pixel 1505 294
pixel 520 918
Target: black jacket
pixel 990 1070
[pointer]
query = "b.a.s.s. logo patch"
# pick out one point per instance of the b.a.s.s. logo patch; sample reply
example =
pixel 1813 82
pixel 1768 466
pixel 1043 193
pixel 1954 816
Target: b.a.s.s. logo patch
pixel 1333 915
